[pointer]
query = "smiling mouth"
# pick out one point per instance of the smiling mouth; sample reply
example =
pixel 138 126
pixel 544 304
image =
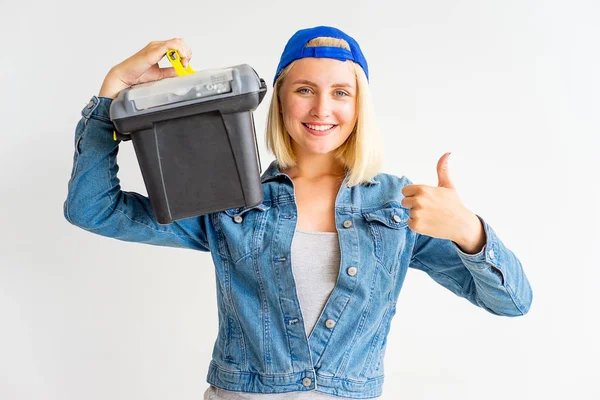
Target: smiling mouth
pixel 319 128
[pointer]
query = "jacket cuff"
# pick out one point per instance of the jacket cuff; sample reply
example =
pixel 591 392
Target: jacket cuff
pixel 487 256
pixel 97 108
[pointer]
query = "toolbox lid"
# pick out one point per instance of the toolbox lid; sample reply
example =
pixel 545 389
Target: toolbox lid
pixel 168 93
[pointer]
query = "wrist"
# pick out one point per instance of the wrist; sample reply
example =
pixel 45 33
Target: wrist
pixel 111 86
pixel 472 237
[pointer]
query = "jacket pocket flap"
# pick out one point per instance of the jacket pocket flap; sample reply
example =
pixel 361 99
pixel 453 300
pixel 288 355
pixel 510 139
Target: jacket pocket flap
pixel 392 217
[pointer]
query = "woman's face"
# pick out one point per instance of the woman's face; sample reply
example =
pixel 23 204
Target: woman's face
pixel 318 104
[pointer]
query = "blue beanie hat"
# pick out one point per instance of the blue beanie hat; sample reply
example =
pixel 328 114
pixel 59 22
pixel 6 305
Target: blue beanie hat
pixel 296 48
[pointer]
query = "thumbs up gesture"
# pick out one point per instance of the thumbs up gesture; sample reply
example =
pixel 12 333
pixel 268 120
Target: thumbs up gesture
pixel 437 211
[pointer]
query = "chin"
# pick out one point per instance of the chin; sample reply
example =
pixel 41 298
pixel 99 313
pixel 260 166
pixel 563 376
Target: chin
pixel 319 150
pixel 312 145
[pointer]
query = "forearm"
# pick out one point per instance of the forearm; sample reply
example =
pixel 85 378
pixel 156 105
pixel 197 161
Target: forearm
pixel 499 281
pixel 492 278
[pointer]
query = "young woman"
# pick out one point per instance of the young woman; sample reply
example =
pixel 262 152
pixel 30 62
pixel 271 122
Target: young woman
pixel 307 281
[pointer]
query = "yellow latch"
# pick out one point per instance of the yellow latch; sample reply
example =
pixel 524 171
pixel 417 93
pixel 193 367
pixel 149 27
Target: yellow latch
pixel 175 60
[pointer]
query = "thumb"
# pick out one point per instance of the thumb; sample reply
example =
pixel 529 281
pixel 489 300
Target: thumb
pixel 443 172
pixel 167 72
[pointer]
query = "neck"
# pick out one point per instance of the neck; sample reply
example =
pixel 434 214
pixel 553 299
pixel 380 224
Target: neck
pixel 315 166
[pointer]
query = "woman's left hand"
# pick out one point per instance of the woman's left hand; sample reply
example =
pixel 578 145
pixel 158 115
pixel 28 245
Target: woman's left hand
pixel 438 212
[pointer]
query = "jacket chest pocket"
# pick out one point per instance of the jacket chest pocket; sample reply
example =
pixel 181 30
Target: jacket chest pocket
pixel 242 230
pixel 388 227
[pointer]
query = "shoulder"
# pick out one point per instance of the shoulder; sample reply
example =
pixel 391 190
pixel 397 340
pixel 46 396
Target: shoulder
pixel 383 190
pixel 390 183
pixel 391 179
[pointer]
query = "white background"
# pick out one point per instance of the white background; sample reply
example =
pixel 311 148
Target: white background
pixel 510 87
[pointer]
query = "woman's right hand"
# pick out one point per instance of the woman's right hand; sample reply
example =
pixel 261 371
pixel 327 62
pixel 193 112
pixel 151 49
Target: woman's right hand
pixel 143 67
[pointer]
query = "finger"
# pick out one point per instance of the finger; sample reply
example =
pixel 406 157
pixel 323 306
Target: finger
pixel 184 50
pixel 411 190
pixel 155 51
pixel 188 52
pixel 409 202
pixel 443 172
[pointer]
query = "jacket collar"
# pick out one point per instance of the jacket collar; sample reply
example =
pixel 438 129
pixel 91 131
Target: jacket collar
pixel 273 172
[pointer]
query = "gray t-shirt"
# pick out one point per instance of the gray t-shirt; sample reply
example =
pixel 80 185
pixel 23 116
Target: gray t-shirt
pixel 315 265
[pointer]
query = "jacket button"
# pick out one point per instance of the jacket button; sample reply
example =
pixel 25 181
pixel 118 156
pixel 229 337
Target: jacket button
pixel 330 323
pixel 307 382
pixel 491 253
pixel 352 271
pixel 397 218
pixel 347 223
pixel 238 219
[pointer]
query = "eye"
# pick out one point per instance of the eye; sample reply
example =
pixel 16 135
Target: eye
pixel 303 90
pixel 341 93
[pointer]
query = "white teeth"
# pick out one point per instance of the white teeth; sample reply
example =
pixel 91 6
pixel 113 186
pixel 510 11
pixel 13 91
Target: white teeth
pixel 320 127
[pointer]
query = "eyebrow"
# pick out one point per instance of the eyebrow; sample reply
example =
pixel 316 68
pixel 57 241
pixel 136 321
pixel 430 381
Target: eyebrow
pixel 336 85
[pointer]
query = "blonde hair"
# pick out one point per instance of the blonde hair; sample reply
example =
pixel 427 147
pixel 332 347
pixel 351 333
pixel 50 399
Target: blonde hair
pixel 361 153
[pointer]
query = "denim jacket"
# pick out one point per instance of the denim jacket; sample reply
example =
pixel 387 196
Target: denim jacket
pixel 262 346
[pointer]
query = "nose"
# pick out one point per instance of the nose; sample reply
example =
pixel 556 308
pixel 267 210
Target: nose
pixel 321 107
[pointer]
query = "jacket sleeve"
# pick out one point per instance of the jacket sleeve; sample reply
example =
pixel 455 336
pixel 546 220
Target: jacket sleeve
pixel 95 201
pixel 492 279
